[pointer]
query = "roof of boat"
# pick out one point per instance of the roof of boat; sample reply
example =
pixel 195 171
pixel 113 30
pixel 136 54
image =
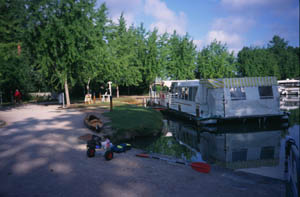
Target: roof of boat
pixel 227 82
pixel 239 82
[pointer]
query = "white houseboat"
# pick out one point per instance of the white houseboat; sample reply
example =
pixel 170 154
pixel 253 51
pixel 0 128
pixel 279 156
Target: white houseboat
pixel 208 101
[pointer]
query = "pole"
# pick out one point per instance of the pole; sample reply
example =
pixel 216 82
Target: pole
pixel 1 97
pixel 111 103
pixel 94 98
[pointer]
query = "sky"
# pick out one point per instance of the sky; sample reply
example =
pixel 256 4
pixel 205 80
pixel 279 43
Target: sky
pixel 237 23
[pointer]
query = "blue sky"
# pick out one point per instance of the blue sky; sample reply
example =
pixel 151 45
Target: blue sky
pixel 237 23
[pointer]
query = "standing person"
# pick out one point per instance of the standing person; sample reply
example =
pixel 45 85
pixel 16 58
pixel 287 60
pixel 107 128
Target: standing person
pixel 17 96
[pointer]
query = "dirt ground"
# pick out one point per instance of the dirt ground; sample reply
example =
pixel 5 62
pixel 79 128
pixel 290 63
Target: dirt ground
pixel 41 155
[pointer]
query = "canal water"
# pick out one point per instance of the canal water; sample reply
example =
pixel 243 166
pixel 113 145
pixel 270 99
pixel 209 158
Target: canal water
pixel 244 147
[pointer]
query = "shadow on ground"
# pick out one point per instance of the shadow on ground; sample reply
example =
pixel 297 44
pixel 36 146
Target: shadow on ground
pixel 40 155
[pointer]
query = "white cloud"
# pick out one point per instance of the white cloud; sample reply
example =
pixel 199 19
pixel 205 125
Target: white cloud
pixel 130 8
pixel 233 24
pixel 244 3
pixel 281 7
pixel 198 43
pixel 232 40
pixel 166 19
pixel 229 30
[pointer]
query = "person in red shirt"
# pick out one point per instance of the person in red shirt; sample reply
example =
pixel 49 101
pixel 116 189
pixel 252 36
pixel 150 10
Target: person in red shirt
pixel 17 96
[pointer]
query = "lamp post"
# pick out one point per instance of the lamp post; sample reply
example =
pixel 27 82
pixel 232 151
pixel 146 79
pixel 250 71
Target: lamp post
pixel 110 95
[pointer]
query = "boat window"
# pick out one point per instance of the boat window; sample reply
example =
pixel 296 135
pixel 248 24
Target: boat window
pixel 239 154
pixel 192 93
pixel 181 92
pixel 186 93
pixel 265 92
pixel 237 94
pixel 173 87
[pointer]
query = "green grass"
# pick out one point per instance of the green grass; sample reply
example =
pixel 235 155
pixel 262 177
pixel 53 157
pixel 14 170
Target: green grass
pixel 135 121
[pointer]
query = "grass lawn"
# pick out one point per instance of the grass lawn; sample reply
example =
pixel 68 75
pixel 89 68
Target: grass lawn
pixel 135 121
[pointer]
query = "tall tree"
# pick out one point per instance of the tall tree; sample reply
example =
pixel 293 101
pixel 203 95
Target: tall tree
pixel 151 68
pixel 215 61
pixel 13 52
pixel 93 67
pixel 254 62
pixel 121 69
pixel 60 34
pixel 287 59
pixel 181 58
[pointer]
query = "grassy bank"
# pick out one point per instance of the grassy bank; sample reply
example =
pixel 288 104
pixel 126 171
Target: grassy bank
pixel 130 121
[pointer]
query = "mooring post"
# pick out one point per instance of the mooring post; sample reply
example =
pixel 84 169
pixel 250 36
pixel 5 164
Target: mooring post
pixel 111 103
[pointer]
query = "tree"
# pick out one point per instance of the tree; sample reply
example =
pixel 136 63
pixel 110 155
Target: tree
pixel 121 68
pixel 215 61
pixel 181 57
pixel 61 37
pixel 13 51
pixel 151 67
pixel 287 58
pixel 93 66
pixel 253 62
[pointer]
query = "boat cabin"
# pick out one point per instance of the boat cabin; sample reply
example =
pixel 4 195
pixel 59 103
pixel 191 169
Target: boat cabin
pixel 223 98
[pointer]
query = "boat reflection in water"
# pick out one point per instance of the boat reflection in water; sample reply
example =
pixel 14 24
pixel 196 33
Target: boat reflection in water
pixel 251 146
pixel 289 102
pixel 239 147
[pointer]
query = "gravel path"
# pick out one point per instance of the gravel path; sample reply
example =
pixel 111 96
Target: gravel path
pixel 41 155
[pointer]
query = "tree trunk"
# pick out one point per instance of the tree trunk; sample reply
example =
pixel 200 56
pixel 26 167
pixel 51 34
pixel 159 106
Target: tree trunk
pixel 118 91
pixel 88 86
pixel 67 93
pixel 150 90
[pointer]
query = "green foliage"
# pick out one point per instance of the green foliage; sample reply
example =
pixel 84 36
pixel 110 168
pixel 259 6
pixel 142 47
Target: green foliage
pixel 278 59
pixel 253 62
pixel 70 41
pixel 121 68
pixel 15 70
pixel 181 57
pixel 61 37
pixel 215 61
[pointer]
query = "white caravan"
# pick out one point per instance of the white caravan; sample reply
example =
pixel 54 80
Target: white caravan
pixel 227 98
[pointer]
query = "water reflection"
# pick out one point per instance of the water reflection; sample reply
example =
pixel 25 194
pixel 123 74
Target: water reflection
pixel 234 149
pixel 249 145
pixel 289 102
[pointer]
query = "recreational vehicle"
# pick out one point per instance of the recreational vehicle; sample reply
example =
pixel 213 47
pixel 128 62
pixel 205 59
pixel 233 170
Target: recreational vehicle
pixel 219 99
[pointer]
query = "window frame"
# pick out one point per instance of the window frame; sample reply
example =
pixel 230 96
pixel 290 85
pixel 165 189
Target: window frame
pixel 234 92
pixel 260 91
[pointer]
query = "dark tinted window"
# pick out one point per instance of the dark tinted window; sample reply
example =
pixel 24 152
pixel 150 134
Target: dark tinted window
pixel 239 155
pixel 265 92
pixel 267 152
pixel 237 94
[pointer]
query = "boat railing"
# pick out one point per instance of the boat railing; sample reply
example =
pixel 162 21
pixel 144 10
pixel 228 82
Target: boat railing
pixel 292 167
